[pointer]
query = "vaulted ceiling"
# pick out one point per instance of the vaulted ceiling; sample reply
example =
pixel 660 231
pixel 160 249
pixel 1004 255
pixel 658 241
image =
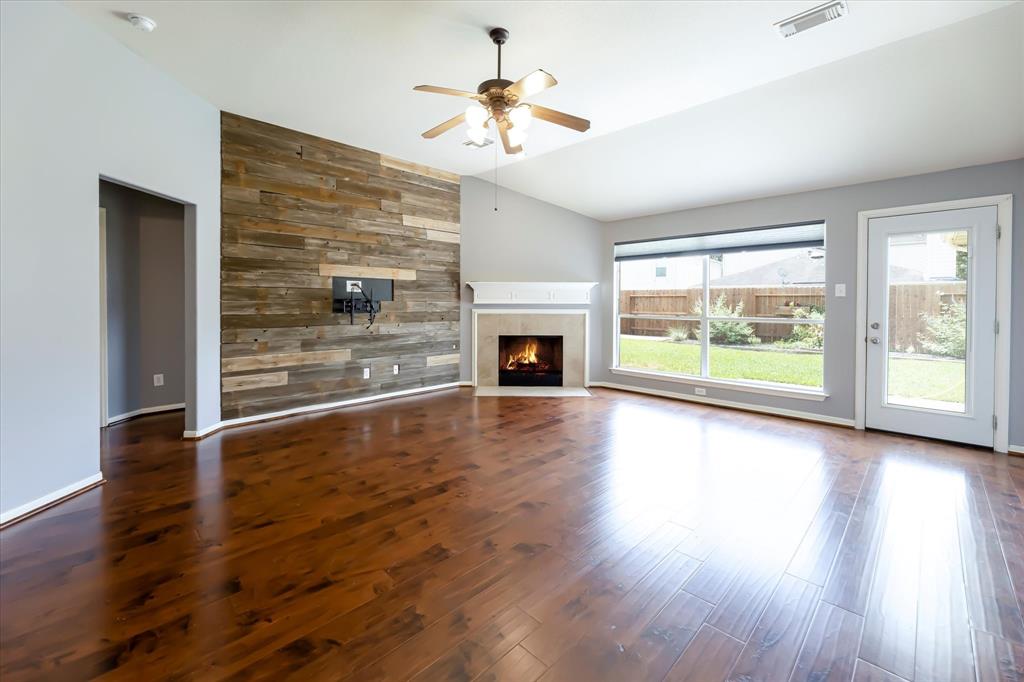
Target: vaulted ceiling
pixel 692 102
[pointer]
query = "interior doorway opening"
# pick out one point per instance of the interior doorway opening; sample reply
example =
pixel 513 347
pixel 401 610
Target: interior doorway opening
pixel 143 303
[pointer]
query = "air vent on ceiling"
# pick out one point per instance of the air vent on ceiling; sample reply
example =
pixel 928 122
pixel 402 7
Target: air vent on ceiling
pixel 471 143
pixel 812 17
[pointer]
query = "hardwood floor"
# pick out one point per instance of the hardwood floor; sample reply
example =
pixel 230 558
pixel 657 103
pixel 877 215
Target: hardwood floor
pixel 621 537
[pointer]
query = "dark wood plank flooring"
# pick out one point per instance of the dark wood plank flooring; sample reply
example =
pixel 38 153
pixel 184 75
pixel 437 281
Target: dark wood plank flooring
pixel 444 537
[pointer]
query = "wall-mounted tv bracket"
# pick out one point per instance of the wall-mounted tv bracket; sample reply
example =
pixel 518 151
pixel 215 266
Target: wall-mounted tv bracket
pixel 361 297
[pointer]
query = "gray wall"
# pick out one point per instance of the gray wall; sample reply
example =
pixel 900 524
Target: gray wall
pixel 145 299
pixel 525 240
pixel 76 105
pixel 839 208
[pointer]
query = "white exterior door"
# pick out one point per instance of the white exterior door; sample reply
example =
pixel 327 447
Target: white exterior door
pixel 931 324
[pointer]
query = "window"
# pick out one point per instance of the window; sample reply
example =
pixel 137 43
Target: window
pixel 759 293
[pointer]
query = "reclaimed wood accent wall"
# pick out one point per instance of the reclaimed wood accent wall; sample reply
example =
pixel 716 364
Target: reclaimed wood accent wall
pixel 299 209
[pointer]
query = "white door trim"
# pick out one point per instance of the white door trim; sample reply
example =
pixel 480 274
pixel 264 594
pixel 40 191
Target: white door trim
pixel 104 407
pixel 1004 253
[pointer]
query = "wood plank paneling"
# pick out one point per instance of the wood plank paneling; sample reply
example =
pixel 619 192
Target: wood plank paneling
pixel 298 210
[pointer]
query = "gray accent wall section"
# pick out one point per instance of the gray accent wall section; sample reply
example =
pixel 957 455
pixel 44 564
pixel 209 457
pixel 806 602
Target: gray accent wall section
pixel 838 207
pixel 526 240
pixel 145 299
pixel 75 106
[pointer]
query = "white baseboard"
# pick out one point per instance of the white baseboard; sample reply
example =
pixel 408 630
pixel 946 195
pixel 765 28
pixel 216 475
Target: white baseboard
pixel 319 407
pixel 1016 449
pixel 809 416
pixel 50 498
pixel 145 410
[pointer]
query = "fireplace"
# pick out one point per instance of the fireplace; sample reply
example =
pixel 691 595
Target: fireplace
pixel 529 360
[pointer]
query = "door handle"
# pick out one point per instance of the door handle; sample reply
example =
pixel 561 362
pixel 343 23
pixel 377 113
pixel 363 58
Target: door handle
pixel 874 325
pixel 875 339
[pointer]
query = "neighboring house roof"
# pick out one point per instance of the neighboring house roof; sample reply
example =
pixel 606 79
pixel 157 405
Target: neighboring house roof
pixel 799 269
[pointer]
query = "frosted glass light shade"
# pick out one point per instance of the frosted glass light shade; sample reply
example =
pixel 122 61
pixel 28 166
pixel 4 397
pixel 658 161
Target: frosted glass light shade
pixel 516 137
pixel 476 116
pixel 521 116
pixel 477 135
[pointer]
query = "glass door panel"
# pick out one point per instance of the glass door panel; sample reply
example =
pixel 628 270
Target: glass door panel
pixel 928 320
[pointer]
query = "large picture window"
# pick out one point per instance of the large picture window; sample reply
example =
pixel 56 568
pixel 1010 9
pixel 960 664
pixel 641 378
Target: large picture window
pixel 760 294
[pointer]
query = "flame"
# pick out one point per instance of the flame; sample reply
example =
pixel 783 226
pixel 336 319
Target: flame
pixel 526 356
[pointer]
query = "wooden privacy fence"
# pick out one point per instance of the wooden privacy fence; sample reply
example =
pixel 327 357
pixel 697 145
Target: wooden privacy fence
pixel 909 303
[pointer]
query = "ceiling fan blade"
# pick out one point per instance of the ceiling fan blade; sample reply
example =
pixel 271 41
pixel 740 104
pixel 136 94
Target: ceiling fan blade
pixel 446 91
pixel 509 149
pixel 560 118
pixel 530 85
pixel 444 127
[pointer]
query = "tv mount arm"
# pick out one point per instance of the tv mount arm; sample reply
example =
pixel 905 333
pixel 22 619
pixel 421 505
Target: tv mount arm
pixel 371 307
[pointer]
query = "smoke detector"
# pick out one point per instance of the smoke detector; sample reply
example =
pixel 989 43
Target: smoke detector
pixel 798 23
pixel 141 22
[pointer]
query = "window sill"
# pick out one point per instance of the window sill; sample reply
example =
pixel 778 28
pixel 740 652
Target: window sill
pixel 779 391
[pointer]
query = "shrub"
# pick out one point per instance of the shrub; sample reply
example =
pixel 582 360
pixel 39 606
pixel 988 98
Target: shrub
pixel 806 335
pixel 946 333
pixel 727 333
pixel 678 334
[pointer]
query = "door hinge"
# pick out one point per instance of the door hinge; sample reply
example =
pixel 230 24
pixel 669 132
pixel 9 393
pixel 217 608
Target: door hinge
pixel 999 231
pixel 995 422
pixel 995 326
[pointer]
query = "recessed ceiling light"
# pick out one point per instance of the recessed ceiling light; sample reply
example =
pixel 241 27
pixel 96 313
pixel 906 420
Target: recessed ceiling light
pixel 815 16
pixel 141 22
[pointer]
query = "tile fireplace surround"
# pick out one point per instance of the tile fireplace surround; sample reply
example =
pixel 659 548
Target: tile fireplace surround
pixel 570 324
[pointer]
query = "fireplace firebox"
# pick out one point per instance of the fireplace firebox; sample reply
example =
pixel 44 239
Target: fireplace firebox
pixel 529 360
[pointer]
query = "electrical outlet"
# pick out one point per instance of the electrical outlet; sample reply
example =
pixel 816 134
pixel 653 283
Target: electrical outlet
pixel 700 391
pixel 366 372
pixel 354 285
pixel 158 379
pixel 395 369
pixel 840 290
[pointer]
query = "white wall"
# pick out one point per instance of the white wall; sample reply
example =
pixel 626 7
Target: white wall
pixel 76 105
pixel 525 240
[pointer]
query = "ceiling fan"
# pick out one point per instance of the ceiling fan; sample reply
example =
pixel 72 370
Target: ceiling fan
pixel 501 100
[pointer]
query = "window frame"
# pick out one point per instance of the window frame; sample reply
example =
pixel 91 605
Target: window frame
pixel 705 378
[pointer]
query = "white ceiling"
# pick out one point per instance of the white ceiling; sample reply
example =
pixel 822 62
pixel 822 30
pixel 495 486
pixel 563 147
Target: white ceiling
pixel 346 71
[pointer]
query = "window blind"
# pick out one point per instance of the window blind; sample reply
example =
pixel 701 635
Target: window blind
pixel 752 239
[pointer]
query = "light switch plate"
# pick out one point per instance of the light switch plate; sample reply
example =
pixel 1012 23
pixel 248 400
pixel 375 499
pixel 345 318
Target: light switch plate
pixel 366 372
pixel 840 290
pixel 396 369
pixel 158 379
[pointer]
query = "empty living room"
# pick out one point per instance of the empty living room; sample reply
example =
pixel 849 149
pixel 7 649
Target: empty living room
pixel 518 340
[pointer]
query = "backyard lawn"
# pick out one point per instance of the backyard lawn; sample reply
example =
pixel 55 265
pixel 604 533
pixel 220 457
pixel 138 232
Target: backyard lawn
pixel 929 379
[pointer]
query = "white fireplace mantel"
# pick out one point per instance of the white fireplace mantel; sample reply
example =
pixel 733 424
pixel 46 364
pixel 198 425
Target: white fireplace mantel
pixel 533 293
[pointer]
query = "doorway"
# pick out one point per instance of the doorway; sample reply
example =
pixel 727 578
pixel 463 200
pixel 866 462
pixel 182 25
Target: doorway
pixel 142 307
pixel 929 304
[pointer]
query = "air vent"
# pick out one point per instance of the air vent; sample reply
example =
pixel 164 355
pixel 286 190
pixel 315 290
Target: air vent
pixel 816 16
pixel 471 143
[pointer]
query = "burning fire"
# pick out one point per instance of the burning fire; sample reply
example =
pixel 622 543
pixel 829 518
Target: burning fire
pixel 527 356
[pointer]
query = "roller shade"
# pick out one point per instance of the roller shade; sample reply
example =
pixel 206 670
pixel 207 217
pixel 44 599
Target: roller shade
pixel 753 239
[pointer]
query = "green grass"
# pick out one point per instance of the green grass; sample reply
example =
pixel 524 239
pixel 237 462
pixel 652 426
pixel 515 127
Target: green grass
pixel 801 369
pixel 930 379
pixel 909 378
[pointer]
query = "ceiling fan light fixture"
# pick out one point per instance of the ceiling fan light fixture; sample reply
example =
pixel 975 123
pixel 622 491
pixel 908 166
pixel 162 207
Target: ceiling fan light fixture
pixel 477 134
pixel 516 136
pixel 521 116
pixel 476 116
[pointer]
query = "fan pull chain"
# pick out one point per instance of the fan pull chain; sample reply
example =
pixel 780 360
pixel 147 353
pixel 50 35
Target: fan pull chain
pixel 496 163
